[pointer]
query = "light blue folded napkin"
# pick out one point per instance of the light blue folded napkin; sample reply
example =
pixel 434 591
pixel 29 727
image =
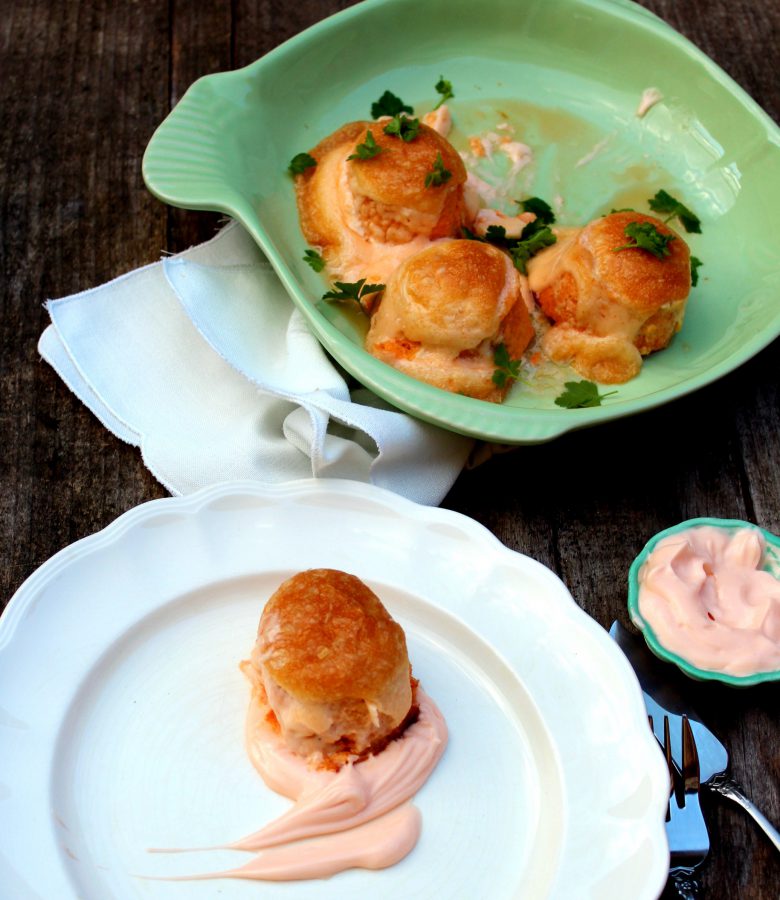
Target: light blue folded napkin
pixel 204 363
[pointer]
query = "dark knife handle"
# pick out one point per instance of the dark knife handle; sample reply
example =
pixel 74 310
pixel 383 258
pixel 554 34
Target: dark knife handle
pixel 683 883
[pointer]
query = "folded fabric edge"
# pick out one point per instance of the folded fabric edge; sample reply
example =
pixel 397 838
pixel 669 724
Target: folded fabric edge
pixel 55 352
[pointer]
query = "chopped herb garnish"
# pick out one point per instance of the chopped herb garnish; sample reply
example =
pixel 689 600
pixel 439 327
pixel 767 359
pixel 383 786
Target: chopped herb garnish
pixel 537 206
pixel 665 203
pixel 353 292
pixel 444 88
pixel 496 234
pixel 645 236
pixel 300 163
pixel 367 150
pixel 534 237
pixel 623 209
pixel 581 395
pixel 389 105
pixel 313 259
pixel 695 263
pixel 438 174
pixel 507 369
pixel 403 127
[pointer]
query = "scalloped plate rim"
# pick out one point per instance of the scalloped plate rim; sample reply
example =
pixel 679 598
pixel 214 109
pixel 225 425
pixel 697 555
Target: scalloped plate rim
pixel 342 494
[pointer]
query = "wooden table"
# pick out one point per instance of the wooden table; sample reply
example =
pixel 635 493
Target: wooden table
pixel 85 83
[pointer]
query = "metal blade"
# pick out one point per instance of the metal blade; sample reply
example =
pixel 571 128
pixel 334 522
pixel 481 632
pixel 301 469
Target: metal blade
pixel 663 690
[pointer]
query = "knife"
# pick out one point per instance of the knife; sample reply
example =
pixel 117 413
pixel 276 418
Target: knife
pixel 663 690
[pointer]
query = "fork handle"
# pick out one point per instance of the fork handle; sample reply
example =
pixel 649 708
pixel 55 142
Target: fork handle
pixel 727 788
pixel 684 883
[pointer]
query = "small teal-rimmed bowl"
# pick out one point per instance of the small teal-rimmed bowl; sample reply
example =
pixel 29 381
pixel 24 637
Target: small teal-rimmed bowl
pixel 649 635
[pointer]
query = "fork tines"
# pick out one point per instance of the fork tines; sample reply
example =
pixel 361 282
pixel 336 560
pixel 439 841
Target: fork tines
pixel 685 826
pixel 690 758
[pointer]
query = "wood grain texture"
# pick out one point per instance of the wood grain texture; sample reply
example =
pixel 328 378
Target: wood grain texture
pixel 85 83
pixel 201 43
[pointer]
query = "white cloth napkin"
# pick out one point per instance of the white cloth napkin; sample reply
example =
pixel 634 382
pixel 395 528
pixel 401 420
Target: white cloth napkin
pixel 204 363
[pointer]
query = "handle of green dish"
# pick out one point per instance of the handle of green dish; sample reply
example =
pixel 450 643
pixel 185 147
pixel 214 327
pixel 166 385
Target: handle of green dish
pixel 185 162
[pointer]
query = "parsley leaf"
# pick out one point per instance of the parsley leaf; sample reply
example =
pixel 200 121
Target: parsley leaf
pixel 507 369
pixel 581 395
pixel 438 174
pixel 646 236
pixel 389 105
pixel 353 292
pixel 403 127
pixel 300 163
pixel 496 234
pixel 535 237
pixel 312 258
pixel 695 263
pixel 445 89
pixel 537 206
pixel 665 203
pixel 367 150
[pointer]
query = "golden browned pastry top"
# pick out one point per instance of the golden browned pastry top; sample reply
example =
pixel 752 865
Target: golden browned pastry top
pixel 325 636
pixel 444 311
pixel 396 177
pixel 636 277
pixel 610 304
pixel 454 294
pixel 367 216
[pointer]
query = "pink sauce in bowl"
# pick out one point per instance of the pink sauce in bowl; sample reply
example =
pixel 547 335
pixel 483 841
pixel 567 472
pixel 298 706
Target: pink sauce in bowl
pixel 707 595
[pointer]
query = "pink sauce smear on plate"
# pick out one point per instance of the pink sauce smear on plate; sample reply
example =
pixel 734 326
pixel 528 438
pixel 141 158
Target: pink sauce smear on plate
pixel 706 596
pixel 356 817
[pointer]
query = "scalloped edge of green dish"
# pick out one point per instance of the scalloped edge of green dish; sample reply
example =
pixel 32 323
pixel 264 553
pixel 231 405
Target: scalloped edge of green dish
pixel 649 635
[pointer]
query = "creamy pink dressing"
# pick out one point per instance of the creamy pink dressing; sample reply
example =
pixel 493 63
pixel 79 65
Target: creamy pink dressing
pixel 706 597
pixel 356 817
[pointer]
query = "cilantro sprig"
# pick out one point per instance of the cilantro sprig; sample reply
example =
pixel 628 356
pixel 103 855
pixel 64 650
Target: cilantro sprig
pixel 300 163
pixel 581 395
pixel 507 369
pixel 541 209
pixel 389 105
pixel 313 259
pixel 645 236
pixel 367 150
pixel 665 203
pixel 444 88
pixel 695 263
pixel 353 292
pixel 403 127
pixel 438 174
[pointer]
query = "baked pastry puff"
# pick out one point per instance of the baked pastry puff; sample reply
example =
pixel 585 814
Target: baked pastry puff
pixel 367 215
pixel 610 306
pixel 331 665
pixel 445 310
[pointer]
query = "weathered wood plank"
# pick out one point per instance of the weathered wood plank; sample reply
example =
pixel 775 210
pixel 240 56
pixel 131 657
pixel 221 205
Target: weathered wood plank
pixel 83 87
pixel 201 43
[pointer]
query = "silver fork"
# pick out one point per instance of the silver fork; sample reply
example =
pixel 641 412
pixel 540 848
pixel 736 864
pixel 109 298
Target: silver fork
pixel 689 842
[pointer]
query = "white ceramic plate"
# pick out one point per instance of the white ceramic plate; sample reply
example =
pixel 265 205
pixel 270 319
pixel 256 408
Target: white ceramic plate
pixel 121 706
